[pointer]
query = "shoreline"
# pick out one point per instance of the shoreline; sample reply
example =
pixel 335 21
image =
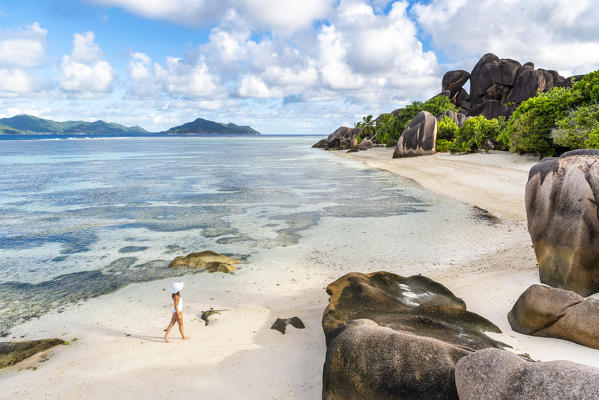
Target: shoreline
pixel 119 351
pixel 474 178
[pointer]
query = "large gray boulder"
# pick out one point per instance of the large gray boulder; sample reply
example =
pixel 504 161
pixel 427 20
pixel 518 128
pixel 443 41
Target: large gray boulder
pixel 562 198
pixel 523 69
pixel 394 337
pixel 341 139
pixel 414 304
pixel 492 79
pixel 490 109
pixel 368 361
pixel 557 313
pixel 462 99
pixel 365 144
pixel 567 83
pixel 477 86
pixel 449 113
pixel 341 136
pixel 453 81
pixel 557 78
pixel 528 83
pixel 420 137
pixel 493 374
pixel 457 118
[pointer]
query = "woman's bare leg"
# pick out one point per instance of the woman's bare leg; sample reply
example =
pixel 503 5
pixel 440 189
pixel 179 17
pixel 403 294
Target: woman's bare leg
pixel 169 327
pixel 180 322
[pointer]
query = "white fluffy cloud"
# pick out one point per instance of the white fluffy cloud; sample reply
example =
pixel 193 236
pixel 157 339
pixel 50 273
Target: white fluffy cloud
pixel 147 77
pixel 85 49
pixel 282 16
pixel 23 48
pixel 358 62
pixel 22 51
pixel 556 34
pixel 252 86
pixel 15 82
pixel 189 12
pixel 180 78
pixel 84 73
pixel 191 79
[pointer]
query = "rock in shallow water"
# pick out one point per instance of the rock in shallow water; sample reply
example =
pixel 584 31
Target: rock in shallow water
pixel 557 313
pixel 208 260
pixel 493 374
pixel 14 352
pixel 562 208
pixel 392 337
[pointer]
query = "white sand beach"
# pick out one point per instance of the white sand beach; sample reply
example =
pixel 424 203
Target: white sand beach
pixel 118 351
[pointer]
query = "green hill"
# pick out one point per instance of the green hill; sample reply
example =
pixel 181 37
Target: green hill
pixel 204 127
pixel 29 125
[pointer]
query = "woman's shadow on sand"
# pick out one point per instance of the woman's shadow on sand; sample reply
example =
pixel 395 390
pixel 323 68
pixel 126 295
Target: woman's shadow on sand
pixel 114 332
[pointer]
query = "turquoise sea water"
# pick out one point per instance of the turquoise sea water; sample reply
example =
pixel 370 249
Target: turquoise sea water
pixel 81 218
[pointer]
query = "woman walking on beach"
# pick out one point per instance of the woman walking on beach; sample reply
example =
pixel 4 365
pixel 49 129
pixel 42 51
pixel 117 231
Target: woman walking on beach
pixel 177 311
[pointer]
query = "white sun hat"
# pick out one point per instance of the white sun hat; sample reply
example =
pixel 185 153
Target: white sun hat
pixel 177 286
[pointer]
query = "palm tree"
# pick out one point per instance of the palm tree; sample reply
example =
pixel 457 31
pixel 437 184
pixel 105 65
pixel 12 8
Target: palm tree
pixel 367 126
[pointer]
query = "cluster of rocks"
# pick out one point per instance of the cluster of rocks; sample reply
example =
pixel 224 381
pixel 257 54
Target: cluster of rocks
pixel 562 209
pixel 498 86
pixel 206 260
pixel 391 337
pixel 345 138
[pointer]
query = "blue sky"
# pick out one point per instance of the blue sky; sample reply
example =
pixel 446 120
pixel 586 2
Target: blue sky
pixel 299 66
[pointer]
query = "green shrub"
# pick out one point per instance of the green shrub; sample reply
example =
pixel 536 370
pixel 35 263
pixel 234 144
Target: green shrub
pixel 529 128
pixel 382 119
pixel 586 90
pixel 575 130
pixel 437 105
pixel 390 132
pixel 443 145
pixel 446 129
pixel 477 132
pixel 593 141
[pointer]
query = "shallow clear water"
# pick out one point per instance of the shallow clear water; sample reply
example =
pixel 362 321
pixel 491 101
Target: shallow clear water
pixel 81 218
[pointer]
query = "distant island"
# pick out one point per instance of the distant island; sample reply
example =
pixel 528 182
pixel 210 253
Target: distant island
pixel 204 127
pixel 29 125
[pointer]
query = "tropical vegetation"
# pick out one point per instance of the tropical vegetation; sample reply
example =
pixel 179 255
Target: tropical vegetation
pixel 547 124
